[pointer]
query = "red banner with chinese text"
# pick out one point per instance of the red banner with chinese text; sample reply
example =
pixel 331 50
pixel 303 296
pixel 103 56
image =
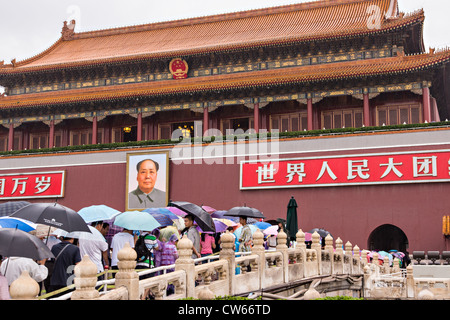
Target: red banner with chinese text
pixel 369 169
pixel 32 185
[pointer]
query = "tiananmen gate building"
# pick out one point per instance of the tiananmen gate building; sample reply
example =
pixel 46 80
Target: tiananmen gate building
pixel 355 106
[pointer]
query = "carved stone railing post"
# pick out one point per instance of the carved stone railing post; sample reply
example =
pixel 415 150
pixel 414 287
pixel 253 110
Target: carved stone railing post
pixel 356 261
pixel 300 237
pixel 258 249
pixel 85 280
pixel 186 263
pixel 410 286
pixel 24 288
pixel 127 275
pixel 282 247
pixel 227 253
pixel 338 258
pixel 318 247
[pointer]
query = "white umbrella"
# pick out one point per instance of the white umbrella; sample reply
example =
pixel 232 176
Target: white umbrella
pixel 94 235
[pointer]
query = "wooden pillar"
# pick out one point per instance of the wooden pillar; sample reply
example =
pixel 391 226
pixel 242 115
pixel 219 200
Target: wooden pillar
pixel 426 105
pixel 205 120
pixel 51 138
pixel 310 114
pixel 11 137
pixel 366 110
pixel 256 117
pixel 150 130
pixel 139 127
pixel 94 130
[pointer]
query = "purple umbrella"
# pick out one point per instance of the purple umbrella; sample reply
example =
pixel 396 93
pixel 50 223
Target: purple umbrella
pixel 220 227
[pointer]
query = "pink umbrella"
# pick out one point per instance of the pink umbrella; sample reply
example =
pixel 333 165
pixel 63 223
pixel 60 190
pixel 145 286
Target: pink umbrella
pixel 308 236
pixel 177 211
pixel 209 209
pixel 271 231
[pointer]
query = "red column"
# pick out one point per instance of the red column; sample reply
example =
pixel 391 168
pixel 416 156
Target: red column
pixel 11 137
pixel 151 130
pixel 94 130
pixel 256 117
pixel 366 110
pixel 310 114
pixel 205 120
pixel 51 138
pixel 139 127
pixel 426 105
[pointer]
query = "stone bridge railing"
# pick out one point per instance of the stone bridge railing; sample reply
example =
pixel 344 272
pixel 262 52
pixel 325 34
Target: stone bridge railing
pixel 255 272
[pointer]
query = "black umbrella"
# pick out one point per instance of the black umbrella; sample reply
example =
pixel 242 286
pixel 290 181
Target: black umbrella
pixel 8 208
pixel 18 243
pixel 322 232
pixel 54 215
pixel 203 218
pixel 245 212
pixel 291 218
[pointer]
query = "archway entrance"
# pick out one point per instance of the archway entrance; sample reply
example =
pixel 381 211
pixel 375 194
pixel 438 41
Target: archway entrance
pixel 388 237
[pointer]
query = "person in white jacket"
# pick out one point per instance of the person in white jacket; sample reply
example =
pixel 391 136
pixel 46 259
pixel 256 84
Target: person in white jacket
pixel 13 268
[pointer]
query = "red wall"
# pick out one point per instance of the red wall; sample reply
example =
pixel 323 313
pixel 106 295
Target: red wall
pixel 350 212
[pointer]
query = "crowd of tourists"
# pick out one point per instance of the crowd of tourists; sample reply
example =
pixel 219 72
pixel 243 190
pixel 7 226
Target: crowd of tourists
pixel 154 249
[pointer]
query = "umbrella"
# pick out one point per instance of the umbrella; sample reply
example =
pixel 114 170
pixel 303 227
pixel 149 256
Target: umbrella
pixel 322 232
pixel 219 214
pixel 177 211
pixel 263 225
pixel 308 236
pixel 136 220
pixel 209 209
pixel 98 213
pixel 271 231
pixel 164 220
pixel 236 219
pixel 18 243
pixel 8 208
pixel 291 218
pixel 163 211
pixel 219 226
pixel 203 218
pixel 245 212
pixel 8 222
pixel 54 215
pixel 94 235
pixel 228 222
pixel 238 231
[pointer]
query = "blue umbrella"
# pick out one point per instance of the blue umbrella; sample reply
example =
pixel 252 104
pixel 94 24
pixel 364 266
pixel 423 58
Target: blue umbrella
pixel 238 231
pixel 163 220
pixel 8 222
pixel 262 225
pixel 98 213
pixel 136 220
pixel 163 211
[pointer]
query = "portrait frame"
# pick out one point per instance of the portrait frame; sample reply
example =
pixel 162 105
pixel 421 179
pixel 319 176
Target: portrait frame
pixel 133 201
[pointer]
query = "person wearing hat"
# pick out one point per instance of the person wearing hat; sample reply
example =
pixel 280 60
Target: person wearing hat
pixel 170 254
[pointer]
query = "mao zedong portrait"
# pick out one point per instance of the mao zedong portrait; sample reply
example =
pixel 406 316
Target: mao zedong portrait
pixel 146 195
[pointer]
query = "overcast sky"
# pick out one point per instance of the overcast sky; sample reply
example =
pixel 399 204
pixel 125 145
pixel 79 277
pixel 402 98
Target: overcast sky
pixel 28 27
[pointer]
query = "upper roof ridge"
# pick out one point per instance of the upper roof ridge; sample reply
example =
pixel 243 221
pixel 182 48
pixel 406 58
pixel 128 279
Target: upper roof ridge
pixel 314 4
